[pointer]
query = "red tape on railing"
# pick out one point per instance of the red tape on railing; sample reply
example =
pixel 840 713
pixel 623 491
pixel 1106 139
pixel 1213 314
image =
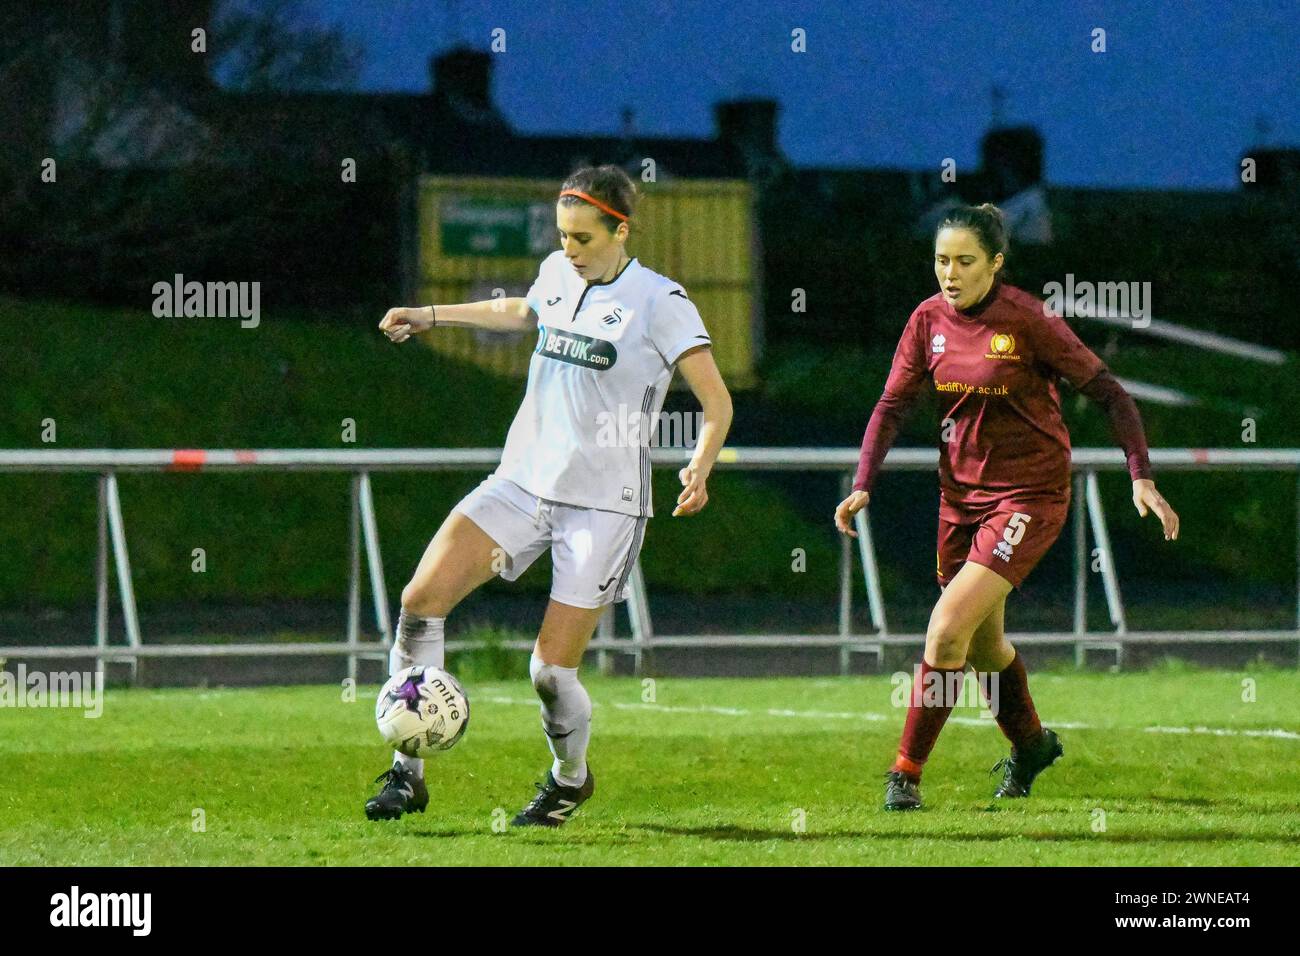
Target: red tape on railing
pixel 188 459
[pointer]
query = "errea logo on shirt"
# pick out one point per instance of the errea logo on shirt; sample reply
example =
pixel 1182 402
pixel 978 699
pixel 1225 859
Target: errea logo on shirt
pixel 1002 346
pixel 937 344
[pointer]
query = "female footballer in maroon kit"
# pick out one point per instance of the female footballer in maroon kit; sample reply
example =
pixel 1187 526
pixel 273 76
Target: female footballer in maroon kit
pixel 994 354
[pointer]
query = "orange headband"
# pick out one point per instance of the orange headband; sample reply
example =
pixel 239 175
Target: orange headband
pixel 595 202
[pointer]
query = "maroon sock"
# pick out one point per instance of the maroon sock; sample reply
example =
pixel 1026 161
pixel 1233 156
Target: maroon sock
pixel 1015 708
pixel 928 708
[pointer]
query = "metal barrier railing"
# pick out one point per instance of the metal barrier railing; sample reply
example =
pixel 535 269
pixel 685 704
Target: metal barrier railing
pixel 1087 512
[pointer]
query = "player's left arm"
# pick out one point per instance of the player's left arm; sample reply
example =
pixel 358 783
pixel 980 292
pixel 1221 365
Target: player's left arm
pixel 1062 351
pixel 702 375
pixel 1126 427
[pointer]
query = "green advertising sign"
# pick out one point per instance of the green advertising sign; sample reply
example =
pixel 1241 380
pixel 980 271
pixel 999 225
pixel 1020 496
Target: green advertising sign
pixel 492 227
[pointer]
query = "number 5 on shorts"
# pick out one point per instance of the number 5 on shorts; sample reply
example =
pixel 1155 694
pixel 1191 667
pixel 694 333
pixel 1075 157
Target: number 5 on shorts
pixel 1015 529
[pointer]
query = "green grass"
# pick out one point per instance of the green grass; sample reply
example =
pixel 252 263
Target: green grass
pixel 706 774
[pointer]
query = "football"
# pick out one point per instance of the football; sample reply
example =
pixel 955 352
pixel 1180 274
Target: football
pixel 422 710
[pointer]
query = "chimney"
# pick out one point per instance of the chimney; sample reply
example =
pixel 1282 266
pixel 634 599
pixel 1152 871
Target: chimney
pixel 1012 157
pixel 463 76
pixel 749 128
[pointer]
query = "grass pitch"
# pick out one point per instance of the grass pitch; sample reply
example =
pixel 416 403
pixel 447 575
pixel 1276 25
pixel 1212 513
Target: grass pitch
pixel 733 772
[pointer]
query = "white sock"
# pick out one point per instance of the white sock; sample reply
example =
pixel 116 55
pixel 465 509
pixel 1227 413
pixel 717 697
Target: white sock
pixel 419 641
pixel 566 719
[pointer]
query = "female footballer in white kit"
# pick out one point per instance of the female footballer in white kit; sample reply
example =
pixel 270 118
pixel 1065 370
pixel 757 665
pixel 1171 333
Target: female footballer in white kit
pixel 610 333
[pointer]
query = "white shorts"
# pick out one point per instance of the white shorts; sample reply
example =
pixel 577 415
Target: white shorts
pixel 592 551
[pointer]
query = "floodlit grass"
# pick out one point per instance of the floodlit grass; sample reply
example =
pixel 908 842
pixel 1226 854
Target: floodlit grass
pixel 735 772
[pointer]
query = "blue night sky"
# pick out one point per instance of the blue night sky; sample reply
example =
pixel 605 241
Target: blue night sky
pixel 1173 103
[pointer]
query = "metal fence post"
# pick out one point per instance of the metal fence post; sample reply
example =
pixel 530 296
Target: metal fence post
pixel 638 609
pixel 123 564
pixel 605 633
pixel 373 558
pixel 1080 569
pixel 870 572
pixel 101 567
pixel 354 574
pixel 1109 576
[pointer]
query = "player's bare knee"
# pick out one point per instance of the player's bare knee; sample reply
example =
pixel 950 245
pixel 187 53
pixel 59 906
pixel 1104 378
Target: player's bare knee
pixel 946 639
pixel 942 626
pixel 423 601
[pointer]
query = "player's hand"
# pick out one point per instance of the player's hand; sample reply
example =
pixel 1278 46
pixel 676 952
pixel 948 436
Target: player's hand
pixel 1145 497
pixel 694 494
pixel 847 509
pixel 401 323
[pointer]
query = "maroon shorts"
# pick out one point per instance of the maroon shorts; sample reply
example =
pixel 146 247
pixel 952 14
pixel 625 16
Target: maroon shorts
pixel 1009 537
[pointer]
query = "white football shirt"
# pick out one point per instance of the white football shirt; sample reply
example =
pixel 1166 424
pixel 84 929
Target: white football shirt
pixel 596 383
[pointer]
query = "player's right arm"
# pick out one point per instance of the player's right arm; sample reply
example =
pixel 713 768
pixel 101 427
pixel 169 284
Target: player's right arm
pixel 499 315
pixel 906 374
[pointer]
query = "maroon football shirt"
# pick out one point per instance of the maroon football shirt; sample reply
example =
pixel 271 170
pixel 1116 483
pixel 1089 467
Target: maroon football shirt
pixel 995 369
